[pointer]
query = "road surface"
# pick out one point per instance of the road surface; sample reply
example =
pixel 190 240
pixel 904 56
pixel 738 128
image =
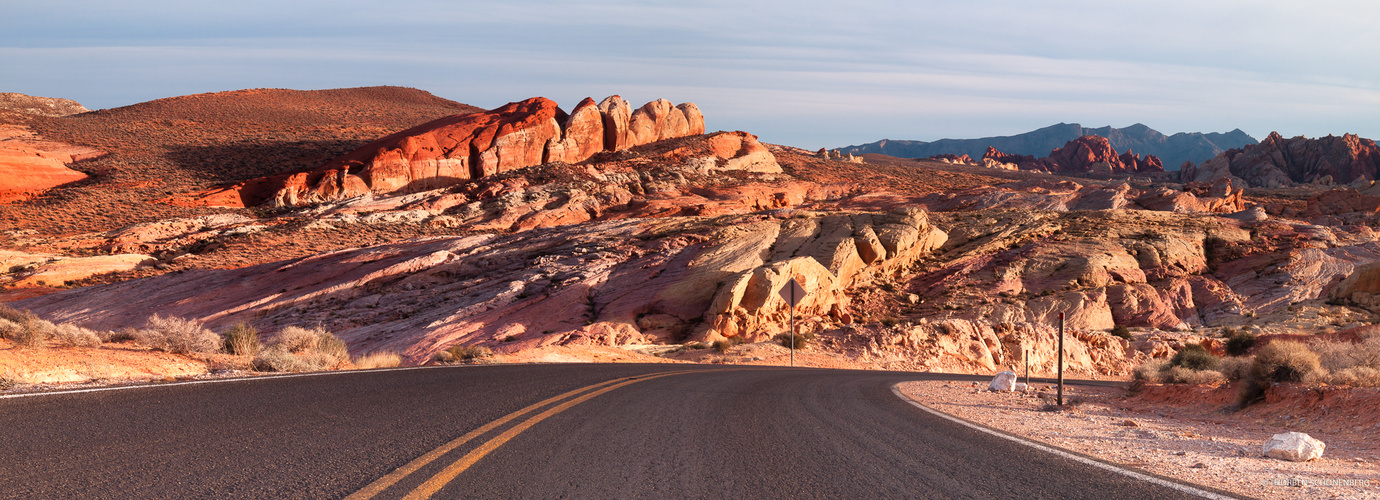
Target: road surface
pixel 526 431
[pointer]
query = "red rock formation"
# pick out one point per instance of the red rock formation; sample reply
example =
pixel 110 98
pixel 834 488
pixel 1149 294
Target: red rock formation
pixel 29 164
pixel 656 121
pixel 466 147
pixel 1001 157
pixel 1280 162
pixel 1089 153
pixel 960 159
pixel 616 113
pixel 1342 201
pixel 582 135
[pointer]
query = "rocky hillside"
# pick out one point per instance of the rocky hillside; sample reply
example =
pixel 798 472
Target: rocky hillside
pixel 1089 154
pixel 571 229
pixel 168 146
pixel 465 147
pixel 1279 162
pixel 1174 150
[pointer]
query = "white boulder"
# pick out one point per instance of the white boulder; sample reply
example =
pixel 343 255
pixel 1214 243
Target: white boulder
pixel 1293 446
pixel 1020 386
pixel 1004 381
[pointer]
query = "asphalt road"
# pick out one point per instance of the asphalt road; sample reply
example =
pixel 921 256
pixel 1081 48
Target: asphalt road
pixel 479 431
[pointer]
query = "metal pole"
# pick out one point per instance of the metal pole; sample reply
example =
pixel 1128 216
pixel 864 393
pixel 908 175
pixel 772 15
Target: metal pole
pixel 1025 356
pixel 792 326
pixel 1061 359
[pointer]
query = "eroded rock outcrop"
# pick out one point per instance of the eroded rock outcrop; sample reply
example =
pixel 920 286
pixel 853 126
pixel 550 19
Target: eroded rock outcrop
pixel 30 164
pixel 608 283
pixel 1279 162
pixel 1086 154
pixel 461 148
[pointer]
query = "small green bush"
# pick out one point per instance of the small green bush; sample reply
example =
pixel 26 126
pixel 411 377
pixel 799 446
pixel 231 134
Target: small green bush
pixel 1195 357
pixel 1239 343
pixel 1121 331
pixel 242 339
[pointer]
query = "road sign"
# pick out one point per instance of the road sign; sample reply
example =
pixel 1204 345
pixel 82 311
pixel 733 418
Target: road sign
pixel 792 292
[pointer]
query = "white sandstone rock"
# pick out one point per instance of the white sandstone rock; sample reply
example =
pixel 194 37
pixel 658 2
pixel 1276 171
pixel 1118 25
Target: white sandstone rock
pixel 1004 381
pixel 1293 446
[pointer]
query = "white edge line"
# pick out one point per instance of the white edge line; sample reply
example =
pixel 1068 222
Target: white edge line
pixel 895 389
pixel 155 385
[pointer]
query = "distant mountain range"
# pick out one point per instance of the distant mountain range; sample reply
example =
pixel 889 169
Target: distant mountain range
pixel 1173 150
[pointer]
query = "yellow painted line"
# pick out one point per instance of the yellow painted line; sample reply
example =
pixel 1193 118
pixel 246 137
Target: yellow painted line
pixel 384 482
pixel 431 486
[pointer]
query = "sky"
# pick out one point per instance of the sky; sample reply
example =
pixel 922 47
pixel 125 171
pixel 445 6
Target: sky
pixel 800 73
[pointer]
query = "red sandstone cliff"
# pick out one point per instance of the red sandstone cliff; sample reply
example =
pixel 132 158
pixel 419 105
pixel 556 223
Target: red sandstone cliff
pixel 462 148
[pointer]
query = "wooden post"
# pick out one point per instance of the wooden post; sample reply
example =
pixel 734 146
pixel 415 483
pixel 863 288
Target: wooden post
pixel 1061 359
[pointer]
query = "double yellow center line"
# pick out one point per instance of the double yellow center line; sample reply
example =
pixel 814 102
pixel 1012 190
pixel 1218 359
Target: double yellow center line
pixel 438 481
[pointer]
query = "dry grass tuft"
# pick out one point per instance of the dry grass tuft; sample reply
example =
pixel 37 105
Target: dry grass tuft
pixel 66 334
pixel 297 349
pixel 178 335
pixel 242 339
pixel 381 359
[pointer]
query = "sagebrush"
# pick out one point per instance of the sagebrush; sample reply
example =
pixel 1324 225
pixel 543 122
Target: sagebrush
pixel 178 335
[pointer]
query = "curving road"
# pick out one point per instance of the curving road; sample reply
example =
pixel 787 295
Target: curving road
pixel 526 431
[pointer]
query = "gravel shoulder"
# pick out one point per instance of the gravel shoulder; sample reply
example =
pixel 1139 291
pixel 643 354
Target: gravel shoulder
pixel 1194 438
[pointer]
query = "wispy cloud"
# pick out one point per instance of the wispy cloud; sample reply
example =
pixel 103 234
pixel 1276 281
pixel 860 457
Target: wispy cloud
pixel 811 74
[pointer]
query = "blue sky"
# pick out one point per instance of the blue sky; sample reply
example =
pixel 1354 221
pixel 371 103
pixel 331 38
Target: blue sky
pixel 801 73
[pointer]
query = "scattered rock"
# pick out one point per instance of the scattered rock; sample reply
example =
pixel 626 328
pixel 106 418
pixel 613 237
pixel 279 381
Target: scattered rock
pixel 1293 446
pixel 1004 382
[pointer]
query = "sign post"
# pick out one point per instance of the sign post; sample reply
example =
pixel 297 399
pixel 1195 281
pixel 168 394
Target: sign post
pixel 793 292
pixel 1061 360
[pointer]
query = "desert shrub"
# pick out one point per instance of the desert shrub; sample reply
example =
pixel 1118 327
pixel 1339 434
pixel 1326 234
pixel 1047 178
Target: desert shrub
pixel 296 339
pixel 72 335
pixel 297 349
pixel 122 335
pixel 1121 331
pixel 1239 343
pixel 16 315
pixel 1357 376
pixel 1285 362
pixel 1150 371
pixel 1236 368
pixel 890 321
pixel 8 378
pixel 727 343
pixel 29 332
pixel 178 335
pixel 277 360
pixel 242 339
pixel 1195 357
pixel 381 359
pixel 1183 375
pixel 469 353
pixel 801 339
